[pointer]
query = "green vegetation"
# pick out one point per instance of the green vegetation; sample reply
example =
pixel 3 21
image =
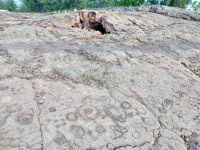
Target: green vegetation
pixel 152 2
pixel 8 5
pixel 172 3
pixel 175 3
pixel 196 6
pixel 2 6
pixel 60 5
pixel 131 2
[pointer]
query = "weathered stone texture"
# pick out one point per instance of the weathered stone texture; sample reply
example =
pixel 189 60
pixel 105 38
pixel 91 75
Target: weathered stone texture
pixel 64 87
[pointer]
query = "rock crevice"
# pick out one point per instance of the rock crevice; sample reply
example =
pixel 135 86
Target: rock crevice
pixel 93 20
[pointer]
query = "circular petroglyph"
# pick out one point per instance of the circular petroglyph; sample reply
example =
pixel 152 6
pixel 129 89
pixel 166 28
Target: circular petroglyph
pixel 71 116
pixel 77 131
pixel 87 100
pixel 59 139
pixel 167 103
pixel 141 111
pixel 100 129
pixel 24 119
pixel 149 121
pixel 3 87
pixel 126 105
pixel 116 113
pixel 104 100
pixel 88 112
pixel 136 135
pixel 52 109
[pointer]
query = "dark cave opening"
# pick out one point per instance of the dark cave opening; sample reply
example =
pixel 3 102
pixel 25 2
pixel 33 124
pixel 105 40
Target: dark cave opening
pixel 98 27
pixel 90 20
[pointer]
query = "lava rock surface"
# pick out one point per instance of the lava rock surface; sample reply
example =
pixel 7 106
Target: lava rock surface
pixel 67 87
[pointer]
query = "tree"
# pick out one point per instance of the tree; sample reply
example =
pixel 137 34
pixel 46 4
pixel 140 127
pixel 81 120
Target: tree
pixel 165 2
pixel 131 2
pixel 57 5
pixel 176 3
pixel 152 2
pixel 196 5
pixel 31 6
pixel 2 5
pixel 179 3
pixel 51 5
pixel 10 5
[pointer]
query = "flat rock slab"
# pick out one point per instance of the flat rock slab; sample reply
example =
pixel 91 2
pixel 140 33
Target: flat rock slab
pixel 20 127
pixel 82 118
pixel 64 87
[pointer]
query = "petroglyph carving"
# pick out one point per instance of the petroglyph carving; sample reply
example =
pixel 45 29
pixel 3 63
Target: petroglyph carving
pixel 136 135
pixel 149 121
pixel 71 116
pixel 118 131
pixel 104 100
pixel 126 105
pixel 77 131
pixel 24 119
pixel 88 112
pixel 116 113
pixel 59 138
pixel 141 111
pixel 100 129
pixel 167 103
pixel 87 100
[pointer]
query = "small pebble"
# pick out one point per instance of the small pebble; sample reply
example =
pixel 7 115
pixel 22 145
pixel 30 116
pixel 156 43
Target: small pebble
pixel 41 102
pixel 186 139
